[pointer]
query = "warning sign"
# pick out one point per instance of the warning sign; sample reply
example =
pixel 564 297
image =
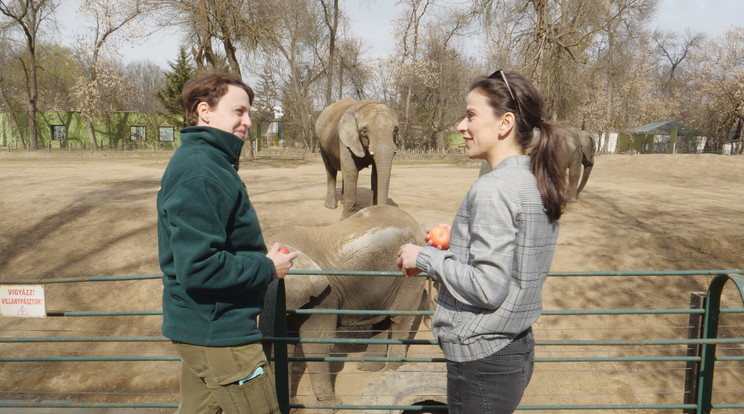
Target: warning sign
pixel 24 301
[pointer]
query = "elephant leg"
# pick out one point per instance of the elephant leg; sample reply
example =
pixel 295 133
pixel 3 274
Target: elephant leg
pixel 349 192
pixel 321 378
pixel 404 327
pixel 573 180
pixel 331 173
pixel 375 350
pixel 349 175
pixel 588 163
pixel 584 178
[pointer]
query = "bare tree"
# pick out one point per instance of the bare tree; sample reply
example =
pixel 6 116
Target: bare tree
pixel 330 21
pixel 410 22
pixel 59 70
pixel 444 104
pixel 617 85
pixel 354 69
pixel 674 50
pixel 28 17
pixel 11 89
pixel 144 79
pixel 555 39
pixel 718 88
pixel 289 60
pixel 108 17
pixel 230 23
pixel 56 75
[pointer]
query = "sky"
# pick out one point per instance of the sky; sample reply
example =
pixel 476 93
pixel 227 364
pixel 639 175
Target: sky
pixel 372 21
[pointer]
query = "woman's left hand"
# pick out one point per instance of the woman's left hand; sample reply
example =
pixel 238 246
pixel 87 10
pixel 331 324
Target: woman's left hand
pixel 406 260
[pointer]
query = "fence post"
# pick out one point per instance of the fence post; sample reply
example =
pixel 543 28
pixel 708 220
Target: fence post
pixel 710 331
pixel 695 331
pixel 273 322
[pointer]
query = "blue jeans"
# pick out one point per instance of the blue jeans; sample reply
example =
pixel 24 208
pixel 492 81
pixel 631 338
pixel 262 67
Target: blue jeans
pixel 492 385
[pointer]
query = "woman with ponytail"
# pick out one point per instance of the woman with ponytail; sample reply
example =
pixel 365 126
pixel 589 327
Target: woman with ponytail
pixel 501 247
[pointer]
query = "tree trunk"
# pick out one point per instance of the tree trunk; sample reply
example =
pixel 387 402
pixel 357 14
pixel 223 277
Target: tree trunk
pixel 91 133
pixel 540 39
pixel 203 56
pixel 232 59
pixel 17 126
pixel 248 147
pixel 33 95
pixel 331 18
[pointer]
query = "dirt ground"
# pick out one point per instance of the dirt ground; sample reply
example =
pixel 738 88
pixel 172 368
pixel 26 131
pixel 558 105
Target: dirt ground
pixel 94 215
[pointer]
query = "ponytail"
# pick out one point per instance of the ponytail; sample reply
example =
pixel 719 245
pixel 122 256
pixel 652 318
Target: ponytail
pixel 551 178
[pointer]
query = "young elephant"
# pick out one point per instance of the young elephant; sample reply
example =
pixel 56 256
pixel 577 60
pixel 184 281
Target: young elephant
pixel 354 135
pixel 367 240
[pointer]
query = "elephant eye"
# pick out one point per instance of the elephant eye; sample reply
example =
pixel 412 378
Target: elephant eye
pixel 363 132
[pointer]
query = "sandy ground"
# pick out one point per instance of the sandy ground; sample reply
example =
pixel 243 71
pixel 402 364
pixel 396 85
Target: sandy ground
pixel 82 215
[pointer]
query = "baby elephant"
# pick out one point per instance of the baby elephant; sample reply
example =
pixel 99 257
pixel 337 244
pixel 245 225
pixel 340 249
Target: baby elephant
pixel 367 240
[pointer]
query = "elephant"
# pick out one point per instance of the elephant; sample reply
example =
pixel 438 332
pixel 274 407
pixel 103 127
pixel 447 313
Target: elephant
pixel 366 240
pixel 352 136
pixel 575 148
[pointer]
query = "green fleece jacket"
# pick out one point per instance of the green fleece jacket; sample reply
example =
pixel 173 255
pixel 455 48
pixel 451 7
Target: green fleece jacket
pixel 211 249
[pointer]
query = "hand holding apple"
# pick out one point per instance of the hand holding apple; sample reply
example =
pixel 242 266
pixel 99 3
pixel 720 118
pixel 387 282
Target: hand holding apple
pixel 438 236
pixel 282 258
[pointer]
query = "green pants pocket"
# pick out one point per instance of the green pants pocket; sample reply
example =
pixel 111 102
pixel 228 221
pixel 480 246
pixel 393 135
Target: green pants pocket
pixel 257 393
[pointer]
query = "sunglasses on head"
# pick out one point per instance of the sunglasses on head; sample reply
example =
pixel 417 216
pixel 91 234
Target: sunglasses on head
pixel 500 74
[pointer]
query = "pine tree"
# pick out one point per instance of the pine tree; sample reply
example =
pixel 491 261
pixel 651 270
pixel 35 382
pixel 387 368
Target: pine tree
pixel 182 71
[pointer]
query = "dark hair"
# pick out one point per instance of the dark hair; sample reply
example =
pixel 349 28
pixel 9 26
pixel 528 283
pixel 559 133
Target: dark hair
pixel 527 106
pixel 209 88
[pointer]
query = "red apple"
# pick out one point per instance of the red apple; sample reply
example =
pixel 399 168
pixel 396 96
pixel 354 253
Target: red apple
pixel 438 236
pixel 283 250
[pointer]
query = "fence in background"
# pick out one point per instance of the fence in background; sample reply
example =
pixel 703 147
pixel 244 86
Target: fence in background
pixel 644 357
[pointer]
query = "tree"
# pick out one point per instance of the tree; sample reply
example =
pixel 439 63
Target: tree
pixel 289 60
pixel 409 33
pixel 182 71
pixel 330 20
pixel 144 80
pixel 440 86
pixel 108 17
pixel 718 88
pixel 232 23
pixel 353 70
pixel 59 70
pixel 28 17
pixel 11 88
pixel 555 39
pixel 673 51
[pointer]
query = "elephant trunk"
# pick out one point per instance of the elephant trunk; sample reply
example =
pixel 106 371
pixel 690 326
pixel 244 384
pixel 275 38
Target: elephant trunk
pixel 381 177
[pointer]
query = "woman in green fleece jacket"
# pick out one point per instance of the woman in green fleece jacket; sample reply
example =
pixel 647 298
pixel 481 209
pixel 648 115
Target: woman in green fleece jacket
pixel 214 260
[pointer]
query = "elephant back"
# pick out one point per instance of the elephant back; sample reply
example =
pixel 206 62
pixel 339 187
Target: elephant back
pixel 368 240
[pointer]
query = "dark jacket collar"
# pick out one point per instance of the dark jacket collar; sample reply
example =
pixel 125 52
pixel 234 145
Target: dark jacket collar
pixel 228 143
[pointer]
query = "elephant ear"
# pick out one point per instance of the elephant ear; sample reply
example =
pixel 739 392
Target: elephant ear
pixel 348 132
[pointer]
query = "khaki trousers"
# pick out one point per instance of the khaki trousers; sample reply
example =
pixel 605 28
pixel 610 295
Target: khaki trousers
pixel 210 380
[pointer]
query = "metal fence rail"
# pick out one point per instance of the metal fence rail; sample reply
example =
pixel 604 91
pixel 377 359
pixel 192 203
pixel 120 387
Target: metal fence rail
pixel 20 357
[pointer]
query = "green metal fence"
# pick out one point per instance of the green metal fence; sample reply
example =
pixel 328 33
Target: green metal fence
pixel 686 360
